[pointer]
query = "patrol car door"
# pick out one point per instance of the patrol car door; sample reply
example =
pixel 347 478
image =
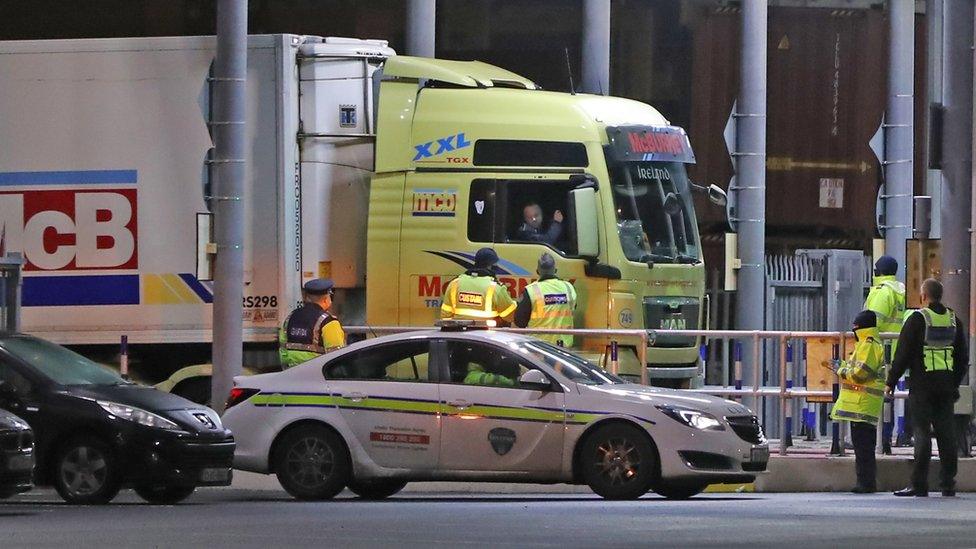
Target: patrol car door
pixel 387 400
pixel 496 427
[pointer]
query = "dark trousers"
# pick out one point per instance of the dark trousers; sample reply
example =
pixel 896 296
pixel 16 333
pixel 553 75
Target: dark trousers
pixel 933 409
pixel 863 436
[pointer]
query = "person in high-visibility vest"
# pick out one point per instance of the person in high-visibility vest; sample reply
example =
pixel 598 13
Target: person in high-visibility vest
pixel 887 297
pixel 548 303
pixel 932 345
pixel 476 295
pixel 862 397
pixel 311 330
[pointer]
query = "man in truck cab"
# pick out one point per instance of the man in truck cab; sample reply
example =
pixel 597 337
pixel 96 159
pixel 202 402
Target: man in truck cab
pixel 531 229
pixel 476 295
pixel 311 330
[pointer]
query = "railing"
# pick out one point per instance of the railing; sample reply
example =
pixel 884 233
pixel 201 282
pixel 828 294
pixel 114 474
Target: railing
pixel 784 390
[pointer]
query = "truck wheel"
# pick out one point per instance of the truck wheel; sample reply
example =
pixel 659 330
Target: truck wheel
pixel 680 490
pixel 86 472
pixel 619 462
pixel 376 489
pixel 164 495
pixel 312 463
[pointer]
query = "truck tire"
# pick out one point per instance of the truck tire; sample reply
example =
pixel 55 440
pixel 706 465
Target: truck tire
pixel 376 489
pixel 86 472
pixel 312 463
pixel 164 495
pixel 619 462
pixel 679 490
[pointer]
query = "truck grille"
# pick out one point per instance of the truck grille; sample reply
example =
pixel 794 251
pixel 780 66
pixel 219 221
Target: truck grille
pixel 672 313
pixel 748 428
pixel 12 441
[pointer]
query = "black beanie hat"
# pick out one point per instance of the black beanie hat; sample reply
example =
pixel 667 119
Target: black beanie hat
pixel 865 319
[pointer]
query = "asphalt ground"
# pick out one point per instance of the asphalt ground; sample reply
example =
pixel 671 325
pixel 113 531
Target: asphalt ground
pixel 234 517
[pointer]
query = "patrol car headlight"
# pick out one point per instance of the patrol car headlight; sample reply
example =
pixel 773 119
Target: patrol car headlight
pixel 137 415
pixel 693 418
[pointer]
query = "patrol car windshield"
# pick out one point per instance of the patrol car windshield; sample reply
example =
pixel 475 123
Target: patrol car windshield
pixel 655 212
pixel 59 364
pixel 570 365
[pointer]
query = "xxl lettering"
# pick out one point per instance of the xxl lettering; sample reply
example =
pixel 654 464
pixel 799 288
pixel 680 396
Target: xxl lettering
pixel 71 229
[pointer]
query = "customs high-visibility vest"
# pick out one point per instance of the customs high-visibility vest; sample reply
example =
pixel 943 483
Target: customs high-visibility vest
pixel 940 332
pixel 862 381
pixel 553 304
pixel 470 297
pixel 887 300
pixel 308 332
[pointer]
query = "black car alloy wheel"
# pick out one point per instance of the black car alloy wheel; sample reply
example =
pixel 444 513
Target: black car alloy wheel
pixel 85 472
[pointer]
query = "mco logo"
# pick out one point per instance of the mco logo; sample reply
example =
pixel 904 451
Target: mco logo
pixel 69 229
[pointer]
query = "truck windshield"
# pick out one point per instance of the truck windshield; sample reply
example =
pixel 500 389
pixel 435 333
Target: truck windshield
pixel 655 212
pixel 573 366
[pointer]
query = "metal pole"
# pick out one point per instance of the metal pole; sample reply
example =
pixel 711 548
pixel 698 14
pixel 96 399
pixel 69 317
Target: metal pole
pixel 230 71
pixel 421 24
pixel 972 240
pixel 750 160
pixel 596 46
pixel 899 137
pixel 957 136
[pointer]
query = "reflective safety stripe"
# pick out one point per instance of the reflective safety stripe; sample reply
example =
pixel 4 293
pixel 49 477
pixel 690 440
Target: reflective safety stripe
pixel 305 347
pixel 382 404
pixel 862 389
pixel 845 414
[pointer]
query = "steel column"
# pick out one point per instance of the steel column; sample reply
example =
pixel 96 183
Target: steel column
pixel 421 24
pixel 750 161
pixel 899 130
pixel 230 71
pixel 596 46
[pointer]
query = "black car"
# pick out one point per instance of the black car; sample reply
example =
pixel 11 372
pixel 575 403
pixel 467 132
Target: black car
pixel 95 432
pixel 16 455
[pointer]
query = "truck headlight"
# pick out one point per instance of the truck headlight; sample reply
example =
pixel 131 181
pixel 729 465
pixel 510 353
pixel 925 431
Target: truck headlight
pixel 693 418
pixel 138 415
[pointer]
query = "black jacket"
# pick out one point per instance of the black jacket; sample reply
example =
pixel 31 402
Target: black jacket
pixel 908 356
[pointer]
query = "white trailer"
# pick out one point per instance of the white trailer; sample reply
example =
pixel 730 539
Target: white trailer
pixel 104 181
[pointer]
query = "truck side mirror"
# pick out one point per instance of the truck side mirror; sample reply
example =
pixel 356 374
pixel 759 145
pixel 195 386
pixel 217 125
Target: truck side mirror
pixel 584 210
pixel 717 196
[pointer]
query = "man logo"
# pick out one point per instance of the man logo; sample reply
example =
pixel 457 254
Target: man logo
pixel 479 206
pixel 501 440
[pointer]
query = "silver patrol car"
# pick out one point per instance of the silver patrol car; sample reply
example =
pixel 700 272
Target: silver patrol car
pixel 482 406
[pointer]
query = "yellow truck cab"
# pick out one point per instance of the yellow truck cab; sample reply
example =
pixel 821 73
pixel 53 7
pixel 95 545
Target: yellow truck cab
pixel 463 147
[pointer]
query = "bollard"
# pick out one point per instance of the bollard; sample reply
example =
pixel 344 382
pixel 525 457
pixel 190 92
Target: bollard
pixel 836 449
pixel 124 358
pixel 703 354
pixel 737 352
pixel 788 403
pixel 904 435
pixel 614 362
pixel 887 411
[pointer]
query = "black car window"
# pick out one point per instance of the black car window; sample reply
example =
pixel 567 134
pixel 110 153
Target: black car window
pixel 59 364
pixel 403 361
pixel 14 379
pixel 472 363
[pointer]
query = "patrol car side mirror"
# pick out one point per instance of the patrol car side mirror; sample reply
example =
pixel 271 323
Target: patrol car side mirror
pixel 534 379
pixel 585 216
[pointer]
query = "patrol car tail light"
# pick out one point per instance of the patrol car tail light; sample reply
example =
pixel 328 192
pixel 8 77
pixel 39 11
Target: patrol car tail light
pixel 693 418
pixel 239 395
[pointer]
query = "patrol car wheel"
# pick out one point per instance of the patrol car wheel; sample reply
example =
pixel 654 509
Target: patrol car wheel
pixel 86 472
pixel 164 495
pixel 672 490
pixel 311 463
pixel 376 489
pixel 619 462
